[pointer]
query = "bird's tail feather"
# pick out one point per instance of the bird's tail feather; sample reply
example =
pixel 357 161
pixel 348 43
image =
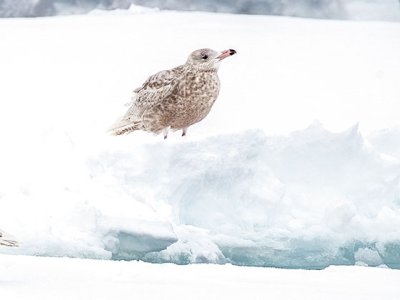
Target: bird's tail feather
pixel 7 240
pixel 124 126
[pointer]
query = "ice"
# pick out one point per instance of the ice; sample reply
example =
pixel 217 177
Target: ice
pixel 258 182
pixel 368 257
pixel 194 245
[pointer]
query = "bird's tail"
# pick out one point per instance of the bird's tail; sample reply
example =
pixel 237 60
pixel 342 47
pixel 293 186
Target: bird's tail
pixel 124 126
pixel 7 240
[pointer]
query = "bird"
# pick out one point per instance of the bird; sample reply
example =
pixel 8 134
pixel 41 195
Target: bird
pixel 177 98
pixel 7 240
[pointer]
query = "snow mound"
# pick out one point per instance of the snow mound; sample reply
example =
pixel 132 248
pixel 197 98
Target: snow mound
pixel 309 199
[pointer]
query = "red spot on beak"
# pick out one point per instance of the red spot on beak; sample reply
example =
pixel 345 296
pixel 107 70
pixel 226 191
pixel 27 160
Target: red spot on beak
pixel 226 53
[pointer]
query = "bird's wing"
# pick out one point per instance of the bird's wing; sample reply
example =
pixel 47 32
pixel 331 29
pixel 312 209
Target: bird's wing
pixel 153 91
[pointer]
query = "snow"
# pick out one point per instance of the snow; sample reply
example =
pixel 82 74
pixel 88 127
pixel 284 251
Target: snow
pixel 259 182
pixel 380 10
pixel 40 278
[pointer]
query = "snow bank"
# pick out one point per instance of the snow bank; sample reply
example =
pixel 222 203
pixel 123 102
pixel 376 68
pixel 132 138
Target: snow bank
pixel 310 199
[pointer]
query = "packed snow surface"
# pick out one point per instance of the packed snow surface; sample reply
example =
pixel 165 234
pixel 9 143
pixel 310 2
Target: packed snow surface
pixel 45 278
pixel 258 182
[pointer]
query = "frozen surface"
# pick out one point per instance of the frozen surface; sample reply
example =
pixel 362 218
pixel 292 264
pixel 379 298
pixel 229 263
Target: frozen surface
pixel 258 182
pixel 65 278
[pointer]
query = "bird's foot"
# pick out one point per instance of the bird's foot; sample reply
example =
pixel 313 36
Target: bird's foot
pixel 165 132
pixel 184 130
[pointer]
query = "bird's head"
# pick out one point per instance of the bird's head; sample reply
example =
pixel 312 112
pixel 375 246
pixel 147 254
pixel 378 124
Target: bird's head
pixel 208 59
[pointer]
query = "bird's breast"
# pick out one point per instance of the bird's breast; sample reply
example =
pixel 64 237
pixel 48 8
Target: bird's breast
pixel 191 100
pixel 200 87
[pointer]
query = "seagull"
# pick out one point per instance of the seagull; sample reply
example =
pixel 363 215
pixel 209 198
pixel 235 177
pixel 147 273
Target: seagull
pixel 177 98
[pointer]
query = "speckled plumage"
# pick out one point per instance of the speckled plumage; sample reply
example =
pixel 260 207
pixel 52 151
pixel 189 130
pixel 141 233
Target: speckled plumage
pixel 176 98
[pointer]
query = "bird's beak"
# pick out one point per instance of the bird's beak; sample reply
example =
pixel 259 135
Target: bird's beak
pixel 226 53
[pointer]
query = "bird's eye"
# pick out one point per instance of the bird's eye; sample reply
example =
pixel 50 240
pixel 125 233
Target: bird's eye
pixel 204 56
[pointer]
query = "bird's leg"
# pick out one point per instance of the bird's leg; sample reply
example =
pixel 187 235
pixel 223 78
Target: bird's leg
pixel 184 130
pixel 165 132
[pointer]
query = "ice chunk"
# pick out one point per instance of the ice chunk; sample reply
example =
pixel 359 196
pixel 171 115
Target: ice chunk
pixel 135 246
pixel 194 245
pixel 368 256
